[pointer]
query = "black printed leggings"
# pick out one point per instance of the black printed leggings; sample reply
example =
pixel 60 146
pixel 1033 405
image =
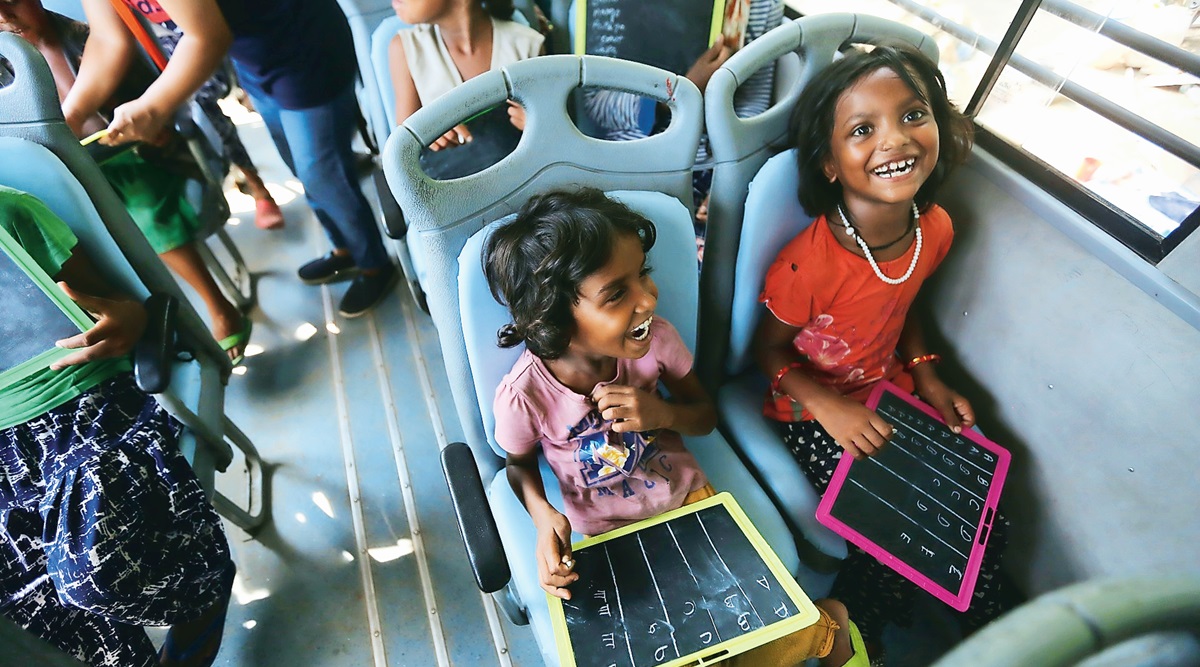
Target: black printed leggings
pixel 874 593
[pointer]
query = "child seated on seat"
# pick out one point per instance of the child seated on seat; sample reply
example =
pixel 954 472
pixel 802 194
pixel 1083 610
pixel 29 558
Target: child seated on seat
pixel 875 138
pixel 149 180
pixel 449 42
pixel 103 525
pixel 572 271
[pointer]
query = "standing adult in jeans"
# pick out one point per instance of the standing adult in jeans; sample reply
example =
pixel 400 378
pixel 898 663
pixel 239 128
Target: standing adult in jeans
pixel 295 58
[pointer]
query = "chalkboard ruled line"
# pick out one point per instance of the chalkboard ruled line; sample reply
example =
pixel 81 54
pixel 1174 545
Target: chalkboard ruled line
pixel 940 445
pixel 911 520
pixel 898 447
pixel 920 490
pixel 658 591
pixel 617 590
pixel 727 570
pixel 682 555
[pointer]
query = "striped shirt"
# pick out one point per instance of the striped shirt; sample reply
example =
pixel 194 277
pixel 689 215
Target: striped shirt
pixel 616 113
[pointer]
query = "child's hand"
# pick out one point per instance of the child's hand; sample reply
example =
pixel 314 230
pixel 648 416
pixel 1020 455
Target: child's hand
pixel 456 136
pixel 516 115
pixel 632 409
pixel 951 405
pixel 137 121
pixel 708 62
pixel 119 325
pixel 854 426
pixel 555 566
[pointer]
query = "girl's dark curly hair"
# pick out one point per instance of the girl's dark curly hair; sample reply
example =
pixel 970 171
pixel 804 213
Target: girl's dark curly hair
pixel 535 264
pixel 501 9
pixel 811 127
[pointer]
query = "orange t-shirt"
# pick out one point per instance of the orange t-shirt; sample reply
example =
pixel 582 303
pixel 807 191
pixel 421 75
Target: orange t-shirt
pixel 849 319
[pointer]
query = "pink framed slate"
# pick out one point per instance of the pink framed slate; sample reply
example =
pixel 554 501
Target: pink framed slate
pixel 925 504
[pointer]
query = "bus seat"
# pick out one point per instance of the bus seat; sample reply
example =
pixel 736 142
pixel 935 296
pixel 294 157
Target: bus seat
pixel 1067 626
pixel 364 17
pixel 384 107
pixel 453 217
pixel 45 159
pixel 747 226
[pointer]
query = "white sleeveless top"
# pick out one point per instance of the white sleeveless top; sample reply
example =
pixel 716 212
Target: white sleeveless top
pixel 432 68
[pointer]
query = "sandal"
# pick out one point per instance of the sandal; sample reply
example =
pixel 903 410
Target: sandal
pixel 860 657
pixel 238 339
pixel 170 654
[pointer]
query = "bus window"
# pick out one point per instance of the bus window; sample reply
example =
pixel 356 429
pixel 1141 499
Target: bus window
pixel 1091 100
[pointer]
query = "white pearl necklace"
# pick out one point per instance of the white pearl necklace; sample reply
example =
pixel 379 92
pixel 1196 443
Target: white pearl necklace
pixel 850 231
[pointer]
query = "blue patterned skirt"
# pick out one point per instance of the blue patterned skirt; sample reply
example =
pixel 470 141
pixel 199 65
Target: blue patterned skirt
pixel 104 527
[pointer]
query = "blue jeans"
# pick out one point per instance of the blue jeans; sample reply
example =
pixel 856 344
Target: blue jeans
pixel 315 145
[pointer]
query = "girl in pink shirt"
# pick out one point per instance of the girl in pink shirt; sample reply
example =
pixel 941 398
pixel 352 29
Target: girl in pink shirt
pixel 572 270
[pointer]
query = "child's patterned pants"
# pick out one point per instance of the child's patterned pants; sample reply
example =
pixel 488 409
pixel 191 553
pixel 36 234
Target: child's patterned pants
pixel 104 528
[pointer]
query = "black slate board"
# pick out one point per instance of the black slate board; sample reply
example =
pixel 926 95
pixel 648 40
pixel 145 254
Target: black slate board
pixel 690 586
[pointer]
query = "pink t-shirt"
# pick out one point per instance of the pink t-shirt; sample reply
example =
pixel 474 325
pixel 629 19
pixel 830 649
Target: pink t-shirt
pixel 608 479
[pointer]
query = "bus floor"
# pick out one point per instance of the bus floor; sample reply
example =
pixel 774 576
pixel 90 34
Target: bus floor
pixel 361 562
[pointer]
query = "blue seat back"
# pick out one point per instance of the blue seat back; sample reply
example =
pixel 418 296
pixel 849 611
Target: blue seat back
pixel 740 146
pixel 777 217
pixel 364 17
pixel 552 154
pixel 675 272
pixel 382 73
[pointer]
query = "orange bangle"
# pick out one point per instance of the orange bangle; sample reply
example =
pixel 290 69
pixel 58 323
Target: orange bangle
pixel 917 361
pixel 782 372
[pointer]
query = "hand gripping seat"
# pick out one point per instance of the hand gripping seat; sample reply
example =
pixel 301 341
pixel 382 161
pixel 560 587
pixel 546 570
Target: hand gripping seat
pixel 453 217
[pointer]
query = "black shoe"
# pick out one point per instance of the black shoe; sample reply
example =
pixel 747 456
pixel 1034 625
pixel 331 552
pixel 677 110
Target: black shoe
pixel 327 269
pixel 367 290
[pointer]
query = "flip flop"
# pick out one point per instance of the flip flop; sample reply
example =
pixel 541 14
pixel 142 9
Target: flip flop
pixel 174 655
pixel 238 339
pixel 860 658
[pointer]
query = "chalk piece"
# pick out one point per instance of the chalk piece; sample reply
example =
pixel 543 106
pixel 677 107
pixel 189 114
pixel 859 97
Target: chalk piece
pixel 94 137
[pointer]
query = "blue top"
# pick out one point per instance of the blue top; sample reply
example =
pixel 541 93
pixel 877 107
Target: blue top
pixel 300 53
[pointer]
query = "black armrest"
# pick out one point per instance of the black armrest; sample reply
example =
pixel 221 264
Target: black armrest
pixel 153 354
pixel 475 521
pixel 186 126
pixel 393 217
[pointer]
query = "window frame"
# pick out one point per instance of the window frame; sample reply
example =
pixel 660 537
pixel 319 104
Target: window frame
pixel 1108 217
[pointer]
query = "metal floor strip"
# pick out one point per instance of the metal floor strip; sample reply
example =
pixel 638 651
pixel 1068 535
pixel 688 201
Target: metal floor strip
pixel 410 503
pixel 439 429
pixel 378 651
